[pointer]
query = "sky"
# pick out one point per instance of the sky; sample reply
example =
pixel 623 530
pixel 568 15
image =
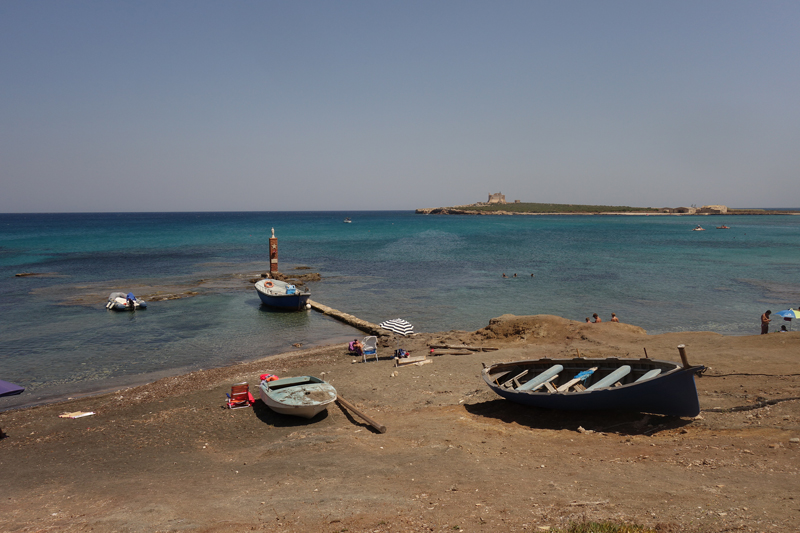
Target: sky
pixel 195 105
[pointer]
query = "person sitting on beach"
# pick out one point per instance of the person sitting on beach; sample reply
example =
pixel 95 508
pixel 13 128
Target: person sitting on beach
pixel 765 322
pixel 588 321
pixel 783 329
pixel 597 318
pixel 614 317
pixel 357 347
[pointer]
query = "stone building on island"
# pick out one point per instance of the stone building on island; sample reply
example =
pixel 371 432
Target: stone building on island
pixel 496 198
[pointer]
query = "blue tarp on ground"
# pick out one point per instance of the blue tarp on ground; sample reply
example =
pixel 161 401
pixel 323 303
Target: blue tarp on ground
pixel 9 389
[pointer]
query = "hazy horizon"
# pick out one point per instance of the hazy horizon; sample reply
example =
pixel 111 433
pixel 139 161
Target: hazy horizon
pixel 206 106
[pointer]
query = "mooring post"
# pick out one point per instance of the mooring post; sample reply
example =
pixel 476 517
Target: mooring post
pixel 684 359
pixel 273 252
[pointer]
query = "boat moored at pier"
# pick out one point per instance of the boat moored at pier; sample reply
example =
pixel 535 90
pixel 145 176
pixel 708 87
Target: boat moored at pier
pixel 282 295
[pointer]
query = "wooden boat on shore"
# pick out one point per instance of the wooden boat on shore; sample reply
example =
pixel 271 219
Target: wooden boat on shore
pixel 119 301
pixel 276 293
pixel 303 396
pixel 581 384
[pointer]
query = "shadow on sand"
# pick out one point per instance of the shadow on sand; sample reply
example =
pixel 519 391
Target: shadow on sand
pixel 268 416
pixel 617 422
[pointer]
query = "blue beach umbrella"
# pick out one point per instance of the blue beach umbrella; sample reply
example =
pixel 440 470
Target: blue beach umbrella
pixel 788 314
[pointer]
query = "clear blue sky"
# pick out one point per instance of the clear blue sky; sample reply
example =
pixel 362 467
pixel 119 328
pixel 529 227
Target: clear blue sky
pixel 258 105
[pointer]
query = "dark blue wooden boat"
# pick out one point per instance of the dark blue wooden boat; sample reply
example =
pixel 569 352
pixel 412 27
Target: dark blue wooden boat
pixel 581 384
pixel 276 293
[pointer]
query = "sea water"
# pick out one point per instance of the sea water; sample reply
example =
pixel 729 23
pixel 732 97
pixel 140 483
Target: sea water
pixel 438 272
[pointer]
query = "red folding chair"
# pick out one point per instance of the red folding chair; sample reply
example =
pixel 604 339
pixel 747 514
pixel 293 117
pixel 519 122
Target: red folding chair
pixel 240 396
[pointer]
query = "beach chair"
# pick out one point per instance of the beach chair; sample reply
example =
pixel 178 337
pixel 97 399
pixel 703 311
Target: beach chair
pixel 370 347
pixel 240 396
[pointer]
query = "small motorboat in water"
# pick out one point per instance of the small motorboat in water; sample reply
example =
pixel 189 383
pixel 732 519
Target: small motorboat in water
pixel 303 396
pixel 580 384
pixel 276 293
pixel 348 221
pixel 699 228
pixel 723 227
pixel 119 301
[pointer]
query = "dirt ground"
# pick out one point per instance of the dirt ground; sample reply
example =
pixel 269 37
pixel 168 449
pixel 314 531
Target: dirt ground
pixel 455 457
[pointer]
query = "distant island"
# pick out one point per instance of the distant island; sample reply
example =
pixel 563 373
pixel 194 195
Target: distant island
pixel 497 205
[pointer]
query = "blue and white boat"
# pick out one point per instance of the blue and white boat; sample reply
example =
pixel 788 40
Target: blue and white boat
pixel 276 293
pixel 303 396
pixel 119 301
pixel 580 384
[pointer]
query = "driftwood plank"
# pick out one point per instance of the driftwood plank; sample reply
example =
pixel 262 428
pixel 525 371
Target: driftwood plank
pixel 344 403
pixel 463 347
pixel 419 359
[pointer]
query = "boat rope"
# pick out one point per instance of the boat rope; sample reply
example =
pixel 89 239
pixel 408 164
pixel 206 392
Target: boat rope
pixel 757 405
pixel 745 374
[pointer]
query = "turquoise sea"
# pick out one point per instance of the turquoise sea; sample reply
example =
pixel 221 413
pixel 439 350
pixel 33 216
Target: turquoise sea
pixel 438 272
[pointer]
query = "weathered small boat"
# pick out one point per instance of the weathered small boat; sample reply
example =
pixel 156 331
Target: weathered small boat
pixel 303 396
pixel 119 301
pixel 276 293
pixel 644 385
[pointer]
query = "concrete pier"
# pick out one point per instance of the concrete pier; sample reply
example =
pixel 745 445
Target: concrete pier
pixel 350 320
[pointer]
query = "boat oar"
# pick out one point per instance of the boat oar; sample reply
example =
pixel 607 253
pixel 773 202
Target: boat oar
pixel 351 407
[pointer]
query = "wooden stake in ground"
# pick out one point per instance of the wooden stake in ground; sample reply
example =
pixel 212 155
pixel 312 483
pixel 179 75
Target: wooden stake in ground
pixel 682 351
pixel 349 406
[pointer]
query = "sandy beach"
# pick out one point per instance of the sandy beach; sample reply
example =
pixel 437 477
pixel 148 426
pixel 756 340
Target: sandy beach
pixel 168 456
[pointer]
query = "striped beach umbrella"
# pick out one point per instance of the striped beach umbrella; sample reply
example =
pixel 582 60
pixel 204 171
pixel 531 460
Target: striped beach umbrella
pixel 398 325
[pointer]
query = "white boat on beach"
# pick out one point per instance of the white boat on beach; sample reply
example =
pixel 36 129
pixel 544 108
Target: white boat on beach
pixel 303 396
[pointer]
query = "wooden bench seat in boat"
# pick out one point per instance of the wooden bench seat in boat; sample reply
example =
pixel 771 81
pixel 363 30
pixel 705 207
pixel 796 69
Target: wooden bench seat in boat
pixel 545 377
pixel 653 373
pixel 612 378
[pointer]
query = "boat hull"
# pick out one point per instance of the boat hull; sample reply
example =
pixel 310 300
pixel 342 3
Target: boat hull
pixel 118 302
pixel 304 396
pixel 672 392
pixel 273 297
